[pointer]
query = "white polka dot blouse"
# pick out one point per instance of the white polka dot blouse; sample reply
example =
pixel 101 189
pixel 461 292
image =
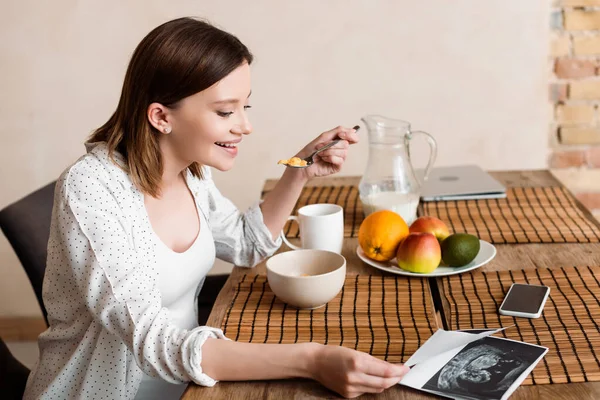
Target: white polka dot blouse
pixel 107 324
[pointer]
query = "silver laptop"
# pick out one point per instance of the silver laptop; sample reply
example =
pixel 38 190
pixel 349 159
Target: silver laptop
pixel 465 182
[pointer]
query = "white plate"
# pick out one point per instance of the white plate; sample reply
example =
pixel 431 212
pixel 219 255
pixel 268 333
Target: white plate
pixel 486 253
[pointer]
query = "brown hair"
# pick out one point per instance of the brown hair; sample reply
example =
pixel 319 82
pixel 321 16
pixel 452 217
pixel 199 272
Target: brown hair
pixel 177 59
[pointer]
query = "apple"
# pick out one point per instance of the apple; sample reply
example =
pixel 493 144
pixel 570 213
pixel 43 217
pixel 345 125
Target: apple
pixel 432 225
pixel 419 252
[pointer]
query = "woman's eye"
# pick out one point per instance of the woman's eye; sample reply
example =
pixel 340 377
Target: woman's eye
pixel 225 114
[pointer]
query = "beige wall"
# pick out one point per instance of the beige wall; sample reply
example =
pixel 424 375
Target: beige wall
pixel 472 73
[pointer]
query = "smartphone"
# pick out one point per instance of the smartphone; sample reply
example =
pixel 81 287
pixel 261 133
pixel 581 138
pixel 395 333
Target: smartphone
pixel 525 301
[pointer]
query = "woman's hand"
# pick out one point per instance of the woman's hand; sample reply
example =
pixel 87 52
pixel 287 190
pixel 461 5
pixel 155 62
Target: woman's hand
pixel 331 160
pixel 352 373
pixel 279 202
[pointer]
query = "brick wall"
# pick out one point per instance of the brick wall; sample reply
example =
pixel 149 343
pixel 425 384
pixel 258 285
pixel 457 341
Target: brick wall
pixel 575 96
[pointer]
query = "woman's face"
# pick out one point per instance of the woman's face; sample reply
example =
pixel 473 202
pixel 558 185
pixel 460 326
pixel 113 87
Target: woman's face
pixel 208 126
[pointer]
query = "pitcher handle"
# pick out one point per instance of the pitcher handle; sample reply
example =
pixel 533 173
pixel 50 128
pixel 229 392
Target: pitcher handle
pixel 432 155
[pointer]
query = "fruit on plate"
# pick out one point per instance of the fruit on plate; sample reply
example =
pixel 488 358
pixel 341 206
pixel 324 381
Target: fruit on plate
pixel 419 252
pixel 380 234
pixel 432 225
pixel 460 249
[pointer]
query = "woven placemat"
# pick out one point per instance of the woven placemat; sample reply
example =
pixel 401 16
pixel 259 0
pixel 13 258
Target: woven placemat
pixel 569 325
pixel 527 215
pixel 387 317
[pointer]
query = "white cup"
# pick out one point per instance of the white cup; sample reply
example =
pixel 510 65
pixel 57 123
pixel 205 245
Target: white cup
pixel 321 227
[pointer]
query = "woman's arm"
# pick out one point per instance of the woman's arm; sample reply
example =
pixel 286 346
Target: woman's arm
pixel 343 370
pixel 247 238
pixel 279 203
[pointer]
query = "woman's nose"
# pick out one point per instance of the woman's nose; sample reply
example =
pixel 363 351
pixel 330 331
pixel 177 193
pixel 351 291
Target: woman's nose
pixel 243 127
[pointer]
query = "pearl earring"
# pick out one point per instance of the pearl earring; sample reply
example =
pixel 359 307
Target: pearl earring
pixel 167 129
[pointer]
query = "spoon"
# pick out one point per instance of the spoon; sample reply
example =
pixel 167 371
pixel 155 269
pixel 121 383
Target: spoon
pixel 309 159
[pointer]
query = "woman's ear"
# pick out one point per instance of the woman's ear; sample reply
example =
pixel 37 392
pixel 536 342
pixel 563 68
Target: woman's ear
pixel 158 117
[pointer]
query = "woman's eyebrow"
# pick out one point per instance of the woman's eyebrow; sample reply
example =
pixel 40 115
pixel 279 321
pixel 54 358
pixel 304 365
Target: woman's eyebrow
pixel 229 101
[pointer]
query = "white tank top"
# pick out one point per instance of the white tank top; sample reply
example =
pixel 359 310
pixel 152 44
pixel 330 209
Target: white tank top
pixel 181 276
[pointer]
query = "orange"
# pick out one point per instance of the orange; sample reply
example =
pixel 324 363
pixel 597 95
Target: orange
pixel 381 233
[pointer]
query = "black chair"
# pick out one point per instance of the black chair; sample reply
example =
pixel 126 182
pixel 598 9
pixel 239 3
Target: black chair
pixel 26 225
pixel 207 296
pixel 13 375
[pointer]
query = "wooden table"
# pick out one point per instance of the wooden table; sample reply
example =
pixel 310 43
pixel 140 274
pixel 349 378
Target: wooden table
pixel 521 256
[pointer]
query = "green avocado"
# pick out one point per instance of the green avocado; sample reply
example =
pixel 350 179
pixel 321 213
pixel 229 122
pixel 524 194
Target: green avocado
pixel 460 249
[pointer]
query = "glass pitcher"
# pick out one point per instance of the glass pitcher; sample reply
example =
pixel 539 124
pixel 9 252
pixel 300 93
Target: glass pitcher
pixel 390 181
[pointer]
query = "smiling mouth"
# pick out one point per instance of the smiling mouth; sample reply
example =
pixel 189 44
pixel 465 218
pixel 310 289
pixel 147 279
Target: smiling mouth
pixel 227 145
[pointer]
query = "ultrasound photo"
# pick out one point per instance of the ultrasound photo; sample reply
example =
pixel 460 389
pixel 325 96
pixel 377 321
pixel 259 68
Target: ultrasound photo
pixel 484 369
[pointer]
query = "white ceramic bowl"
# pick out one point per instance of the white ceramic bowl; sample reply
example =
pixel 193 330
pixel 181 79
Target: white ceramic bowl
pixel 306 278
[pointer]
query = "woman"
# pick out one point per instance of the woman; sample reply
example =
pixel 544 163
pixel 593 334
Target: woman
pixel 138 222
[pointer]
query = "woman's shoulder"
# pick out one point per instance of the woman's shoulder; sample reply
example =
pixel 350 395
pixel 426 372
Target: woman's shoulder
pixel 96 170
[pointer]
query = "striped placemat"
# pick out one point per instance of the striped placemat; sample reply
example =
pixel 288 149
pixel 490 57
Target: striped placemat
pixel 387 317
pixel 569 325
pixel 528 215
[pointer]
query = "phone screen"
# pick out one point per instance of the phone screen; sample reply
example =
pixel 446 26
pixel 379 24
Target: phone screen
pixel 524 298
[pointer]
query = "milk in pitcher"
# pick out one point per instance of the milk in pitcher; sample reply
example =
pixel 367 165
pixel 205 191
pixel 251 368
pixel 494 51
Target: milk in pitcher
pixel 404 204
